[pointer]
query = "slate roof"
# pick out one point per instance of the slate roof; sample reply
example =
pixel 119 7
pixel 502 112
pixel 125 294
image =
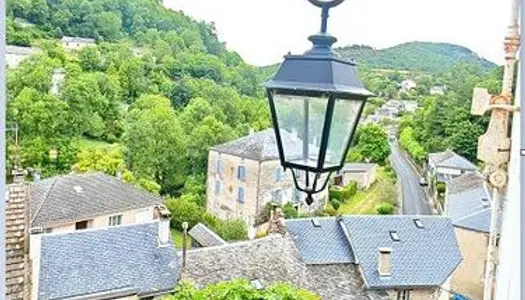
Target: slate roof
pixel 449 159
pixel 468 203
pixel 75 197
pixel 205 236
pixel 423 258
pixel 358 167
pixel 270 260
pixel 18 50
pixel 260 146
pixel 76 39
pixel 112 260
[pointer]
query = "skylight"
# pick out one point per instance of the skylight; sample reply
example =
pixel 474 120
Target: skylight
pixel 257 284
pixel 316 223
pixel 394 236
pixel 419 223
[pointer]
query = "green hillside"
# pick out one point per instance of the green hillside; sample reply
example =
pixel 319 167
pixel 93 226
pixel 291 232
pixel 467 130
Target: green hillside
pixel 415 56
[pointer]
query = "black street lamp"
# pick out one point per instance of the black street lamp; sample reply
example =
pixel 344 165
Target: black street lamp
pixel 316 100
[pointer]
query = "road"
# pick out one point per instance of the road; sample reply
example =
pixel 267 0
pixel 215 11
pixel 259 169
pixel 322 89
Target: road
pixel 414 199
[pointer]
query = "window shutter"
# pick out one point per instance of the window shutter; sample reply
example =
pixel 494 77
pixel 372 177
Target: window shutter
pixel 240 195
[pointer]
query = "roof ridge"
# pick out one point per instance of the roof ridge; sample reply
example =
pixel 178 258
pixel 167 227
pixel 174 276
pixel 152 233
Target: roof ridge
pixel 472 214
pixel 45 198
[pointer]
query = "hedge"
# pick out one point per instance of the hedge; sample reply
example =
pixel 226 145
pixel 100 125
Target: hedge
pixel 385 208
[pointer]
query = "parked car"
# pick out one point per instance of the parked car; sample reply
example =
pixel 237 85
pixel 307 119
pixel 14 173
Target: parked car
pixel 423 181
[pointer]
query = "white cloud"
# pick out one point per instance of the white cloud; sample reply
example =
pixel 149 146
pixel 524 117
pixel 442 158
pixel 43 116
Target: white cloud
pixel 262 31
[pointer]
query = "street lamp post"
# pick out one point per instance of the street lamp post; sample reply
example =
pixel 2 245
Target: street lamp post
pixel 316 100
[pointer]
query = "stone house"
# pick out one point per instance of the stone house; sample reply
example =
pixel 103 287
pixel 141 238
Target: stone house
pixel 447 164
pixel 15 54
pixel 468 204
pixel 76 43
pixel 364 173
pixel 80 201
pixel 246 174
pixel 409 106
pixel 438 90
pixel 407 85
pixel 406 257
pixel 124 262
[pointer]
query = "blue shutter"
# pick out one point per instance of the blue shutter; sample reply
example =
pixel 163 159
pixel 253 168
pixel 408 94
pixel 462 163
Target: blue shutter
pixel 240 195
pixel 217 186
pixel 241 173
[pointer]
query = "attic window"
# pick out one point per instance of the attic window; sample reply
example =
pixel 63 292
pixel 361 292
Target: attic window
pixel 316 223
pixel 257 284
pixel 485 202
pixel 394 236
pixel 419 223
pixel 78 189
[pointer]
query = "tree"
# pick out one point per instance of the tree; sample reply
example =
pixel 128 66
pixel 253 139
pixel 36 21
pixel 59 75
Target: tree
pixel 109 25
pixel 155 144
pixel 372 143
pixel 242 290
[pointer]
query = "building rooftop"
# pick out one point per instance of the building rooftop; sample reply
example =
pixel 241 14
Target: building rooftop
pixel 449 159
pixel 424 256
pixel 205 236
pixel 468 202
pixel 76 39
pixel 358 167
pixel 260 146
pixel 120 260
pixel 76 197
pixel 17 50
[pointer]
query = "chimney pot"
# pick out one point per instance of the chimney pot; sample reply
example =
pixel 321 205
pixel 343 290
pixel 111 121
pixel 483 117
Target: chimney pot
pixel 385 262
pixel 119 175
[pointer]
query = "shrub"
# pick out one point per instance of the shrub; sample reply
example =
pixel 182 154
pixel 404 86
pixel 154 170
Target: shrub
pixel 336 193
pixel 441 187
pixel 232 230
pixel 335 203
pixel 329 211
pixel 385 208
pixel 184 211
pixel 350 190
pixel 290 212
pixel 261 234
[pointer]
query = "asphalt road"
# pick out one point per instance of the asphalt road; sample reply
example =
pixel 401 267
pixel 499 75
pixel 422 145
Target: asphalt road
pixel 414 199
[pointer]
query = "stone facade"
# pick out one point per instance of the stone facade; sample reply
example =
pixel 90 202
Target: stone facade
pixel 416 294
pixel 263 182
pixel 468 277
pixel 15 55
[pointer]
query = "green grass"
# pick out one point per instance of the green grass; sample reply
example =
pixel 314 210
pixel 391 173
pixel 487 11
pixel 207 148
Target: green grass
pixel 365 202
pixel 177 239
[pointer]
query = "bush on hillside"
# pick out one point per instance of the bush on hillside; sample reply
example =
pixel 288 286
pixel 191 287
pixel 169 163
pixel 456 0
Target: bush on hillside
pixel 385 208
pixel 335 203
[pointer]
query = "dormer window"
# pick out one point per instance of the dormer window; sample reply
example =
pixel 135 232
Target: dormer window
pixel 394 236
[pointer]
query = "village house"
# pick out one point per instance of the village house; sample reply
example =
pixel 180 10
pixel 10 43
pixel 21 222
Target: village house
pixel 14 55
pixel 438 90
pixel 76 43
pixel 407 85
pixel 351 257
pixel 246 174
pixel 72 202
pixel 468 204
pixel 409 106
pixel 125 262
pixel 363 173
pixel 446 165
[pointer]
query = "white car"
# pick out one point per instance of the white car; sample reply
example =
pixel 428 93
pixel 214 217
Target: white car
pixel 423 181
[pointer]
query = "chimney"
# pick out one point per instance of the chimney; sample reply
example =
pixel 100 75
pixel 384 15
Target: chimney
pixel 164 224
pixel 184 242
pixel 36 176
pixel 18 176
pixel 119 174
pixel 276 223
pixel 385 262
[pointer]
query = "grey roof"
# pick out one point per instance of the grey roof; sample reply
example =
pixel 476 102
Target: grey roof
pixel 468 203
pixel 115 259
pixel 75 197
pixel 358 167
pixel 424 257
pixel 21 50
pixel 270 260
pixel 449 159
pixel 76 39
pixel 205 236
pixel 260 146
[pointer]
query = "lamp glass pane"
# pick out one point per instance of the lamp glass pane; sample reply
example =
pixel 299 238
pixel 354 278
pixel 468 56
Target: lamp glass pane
pixel 300 120
pixel 343 123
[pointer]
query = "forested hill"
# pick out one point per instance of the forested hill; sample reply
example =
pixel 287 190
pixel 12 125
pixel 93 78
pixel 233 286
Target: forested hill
pixel 415 56
pixel 149 99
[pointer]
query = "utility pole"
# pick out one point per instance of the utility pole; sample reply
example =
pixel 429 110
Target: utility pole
pixel 494 145
pixel 15 129
pixel 3 187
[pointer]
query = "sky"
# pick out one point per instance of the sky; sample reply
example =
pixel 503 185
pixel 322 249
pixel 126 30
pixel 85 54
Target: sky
pixel 263 31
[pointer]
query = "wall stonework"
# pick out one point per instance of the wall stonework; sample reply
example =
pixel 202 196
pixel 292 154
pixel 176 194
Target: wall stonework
pixel 418 294
pixel 468 278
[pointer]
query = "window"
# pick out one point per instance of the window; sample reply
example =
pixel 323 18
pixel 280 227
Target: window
pixel 279 174
pixel 81 225
pixel 220 167
pixel 217 186
pixel 394 236
pixel 241 173
pixel 277 196
pixel 403 295
pixel 240 194
pixel 115 220
pixel 419 223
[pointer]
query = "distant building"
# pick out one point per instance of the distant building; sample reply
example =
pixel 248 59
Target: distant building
pixel 24 23
pixel 438 90
pixel 81 201
pixel 403 257
pixel 246 174
pixel 125 262
pixel 57 81
pixel 409 106
pixel 468 204
pixel 447 164
pixel 363 173
pixel 75 43
pixel 407 85
pixel 15 54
